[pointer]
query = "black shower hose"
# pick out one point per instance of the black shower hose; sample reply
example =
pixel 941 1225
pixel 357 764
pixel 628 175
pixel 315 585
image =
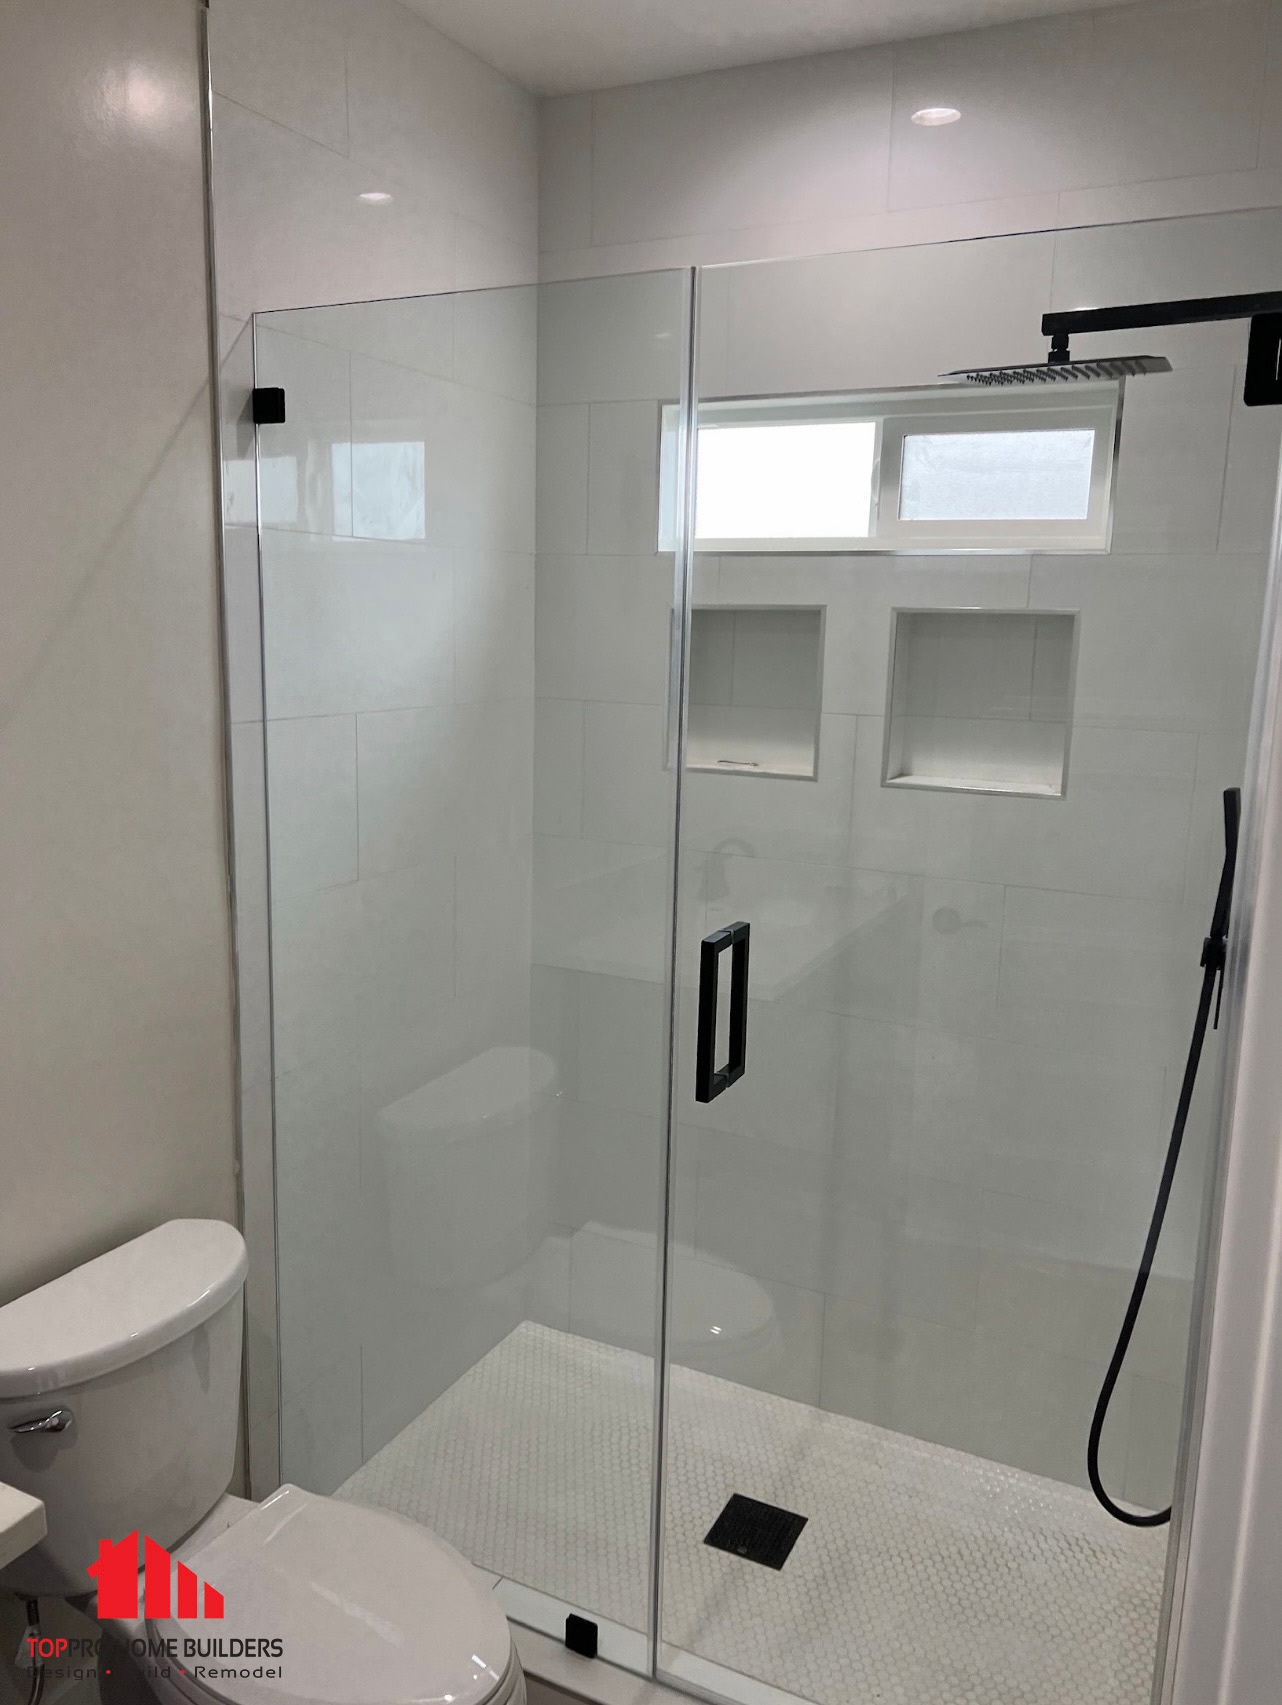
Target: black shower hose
pixel 1214 955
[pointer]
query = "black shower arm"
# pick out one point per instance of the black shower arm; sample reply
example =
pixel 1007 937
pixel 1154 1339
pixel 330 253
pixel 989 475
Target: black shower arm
pixel 1193 310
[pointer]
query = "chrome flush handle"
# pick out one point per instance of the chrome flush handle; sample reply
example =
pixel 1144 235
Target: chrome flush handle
pixel 56 1421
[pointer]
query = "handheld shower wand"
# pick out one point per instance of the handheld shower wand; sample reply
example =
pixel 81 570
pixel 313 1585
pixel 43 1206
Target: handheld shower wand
pixel 1214 957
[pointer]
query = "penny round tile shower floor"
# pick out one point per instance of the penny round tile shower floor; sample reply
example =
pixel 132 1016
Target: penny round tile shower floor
pixel 923 1576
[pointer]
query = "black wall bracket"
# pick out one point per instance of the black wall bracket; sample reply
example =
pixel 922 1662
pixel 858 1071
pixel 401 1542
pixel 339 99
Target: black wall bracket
pixel 267 403
pixel 1263 386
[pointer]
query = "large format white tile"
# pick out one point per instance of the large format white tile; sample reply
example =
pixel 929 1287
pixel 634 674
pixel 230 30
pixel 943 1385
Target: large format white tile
pixel 885 317
pixel 1156 1417
pixel 562 484
pixel 612 339
pixel 493 923
pixel 285 59
pixel 242 624
pixel 787 1096
pixel 292 230
pixel 1163 641
pixel 1025 1407
pixel 769 144
pixel 1057 1127
pixel 912 1376
pixel 316 975
pixel 622 1060
pixel 601 906
pixel 767 1205
pixel 486 259
pixel 304 465
pixel 1075 1309
pixel 1250 477
pixel 558 766
pixel 311 781
pixel 602 628
pixel 1271 121
pixel 408 331
pixel 493 626
pixel 356 625
pixel 1075 101
pixel 623 484
pixel 910 1253
pixel 765 817
pixel 565 173
pixel 1088 973
pixel 628 794
pixel 609 1167
pixel 1170 461
pixel 496 341
pixel 252 911
pixel 1122 828
pixel 426 108
pixel 410 786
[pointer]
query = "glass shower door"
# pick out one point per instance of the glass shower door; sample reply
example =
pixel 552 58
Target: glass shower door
pixel 964 693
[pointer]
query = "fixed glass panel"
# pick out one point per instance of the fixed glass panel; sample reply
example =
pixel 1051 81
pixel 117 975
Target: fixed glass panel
pixel 466 642
pixel 902 1242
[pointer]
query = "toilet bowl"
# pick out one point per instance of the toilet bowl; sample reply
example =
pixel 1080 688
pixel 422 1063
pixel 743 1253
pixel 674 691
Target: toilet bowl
pixel 346 1603
pixel 119 1387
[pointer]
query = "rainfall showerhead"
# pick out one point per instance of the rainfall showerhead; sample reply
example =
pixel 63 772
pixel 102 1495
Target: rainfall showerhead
pixel 1059 368
pixel 1063 372
pixel 1262 380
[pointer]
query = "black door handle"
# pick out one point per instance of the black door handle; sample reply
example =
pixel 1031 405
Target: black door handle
pixel 708 1081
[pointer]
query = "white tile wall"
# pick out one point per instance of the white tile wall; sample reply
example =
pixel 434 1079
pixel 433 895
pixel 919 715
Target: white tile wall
pixel 317 103
pixel 1133 112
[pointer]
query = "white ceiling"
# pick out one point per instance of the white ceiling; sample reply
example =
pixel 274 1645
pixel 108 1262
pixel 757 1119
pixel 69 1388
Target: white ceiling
pixel 556 47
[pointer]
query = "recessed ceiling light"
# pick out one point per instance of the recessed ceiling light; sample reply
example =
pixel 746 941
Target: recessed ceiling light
pixel 936 115
pixel 374 195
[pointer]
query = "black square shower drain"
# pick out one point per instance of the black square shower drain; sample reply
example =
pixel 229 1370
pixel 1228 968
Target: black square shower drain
pixel 762 1533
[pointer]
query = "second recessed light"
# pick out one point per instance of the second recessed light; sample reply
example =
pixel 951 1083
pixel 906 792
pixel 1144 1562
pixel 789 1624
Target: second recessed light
pixel 936 115
pixel 374 195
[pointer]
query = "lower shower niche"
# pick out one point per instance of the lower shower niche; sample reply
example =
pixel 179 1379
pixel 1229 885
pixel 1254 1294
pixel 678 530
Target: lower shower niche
pixel 980 701
pixel 755 687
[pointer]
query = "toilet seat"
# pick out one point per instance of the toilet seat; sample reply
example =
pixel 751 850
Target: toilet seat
pixel 371 1609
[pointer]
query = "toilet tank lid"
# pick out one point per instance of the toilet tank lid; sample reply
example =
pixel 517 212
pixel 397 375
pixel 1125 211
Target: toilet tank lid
pixel 119 1308
pixel 491 1086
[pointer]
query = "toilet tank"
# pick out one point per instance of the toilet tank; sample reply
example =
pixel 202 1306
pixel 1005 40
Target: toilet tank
pixel 140 1350
pixel 468 1160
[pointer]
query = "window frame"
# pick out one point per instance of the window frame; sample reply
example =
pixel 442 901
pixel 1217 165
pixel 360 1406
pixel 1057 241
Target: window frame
pixel 897 415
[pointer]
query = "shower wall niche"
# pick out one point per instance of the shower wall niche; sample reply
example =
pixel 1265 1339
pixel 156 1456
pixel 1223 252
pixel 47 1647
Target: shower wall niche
pixel 980 700
pixel 756 681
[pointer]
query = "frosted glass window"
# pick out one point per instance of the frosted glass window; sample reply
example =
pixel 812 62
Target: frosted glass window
pixel 997 476
pixel 786 480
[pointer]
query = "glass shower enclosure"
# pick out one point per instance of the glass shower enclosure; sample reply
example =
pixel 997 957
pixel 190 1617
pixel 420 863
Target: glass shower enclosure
pixel 744 814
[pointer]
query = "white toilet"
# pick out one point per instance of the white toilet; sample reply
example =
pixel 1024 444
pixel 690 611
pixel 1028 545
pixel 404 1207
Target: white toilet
pixel 119 1395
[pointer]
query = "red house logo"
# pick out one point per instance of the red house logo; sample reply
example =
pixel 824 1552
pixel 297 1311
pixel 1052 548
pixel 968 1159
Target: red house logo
pixel 116 1572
